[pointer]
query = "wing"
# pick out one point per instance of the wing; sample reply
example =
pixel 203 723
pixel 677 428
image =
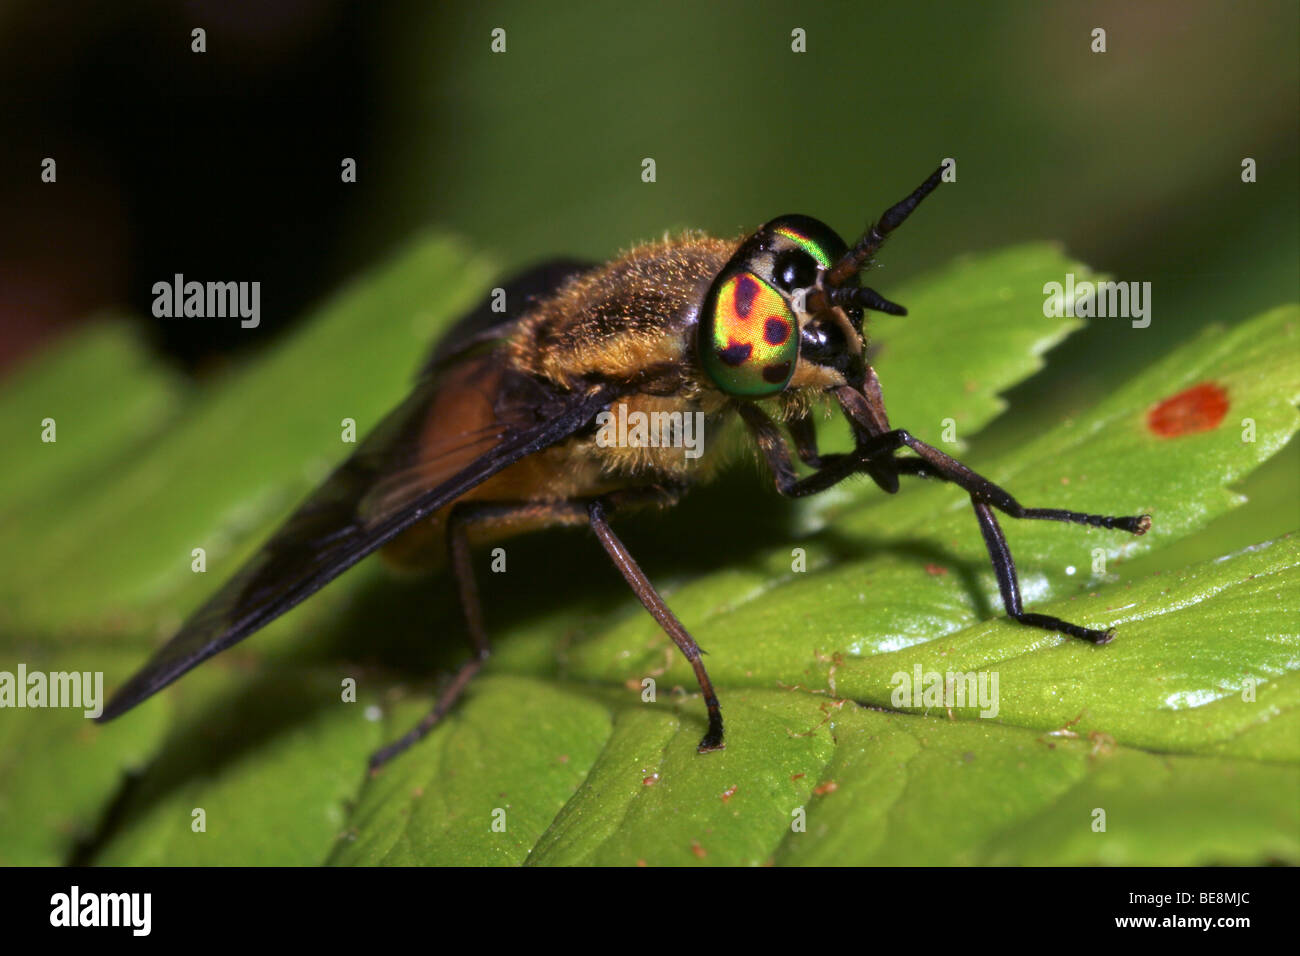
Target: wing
pixel 483 325
pixel 397 476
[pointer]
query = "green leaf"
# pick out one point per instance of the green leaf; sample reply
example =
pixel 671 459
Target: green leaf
pixel 973 329
pixel 916 791
pixel 265 778
pixel 58 771
pixel 241 454
pixel 69 386
pixel 96 556
pixel 1183 730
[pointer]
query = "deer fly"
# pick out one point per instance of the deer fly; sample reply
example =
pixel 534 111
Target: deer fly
pixel 499 435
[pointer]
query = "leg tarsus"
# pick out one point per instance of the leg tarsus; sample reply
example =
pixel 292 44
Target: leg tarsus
pixel 421 730
pixel 1004 567
pixel 980 488
pixel 865 409
pixel 1049 623
pixel 1133 524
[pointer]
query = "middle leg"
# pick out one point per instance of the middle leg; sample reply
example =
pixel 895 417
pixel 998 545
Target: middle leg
pixel 659 610
pixel 463 516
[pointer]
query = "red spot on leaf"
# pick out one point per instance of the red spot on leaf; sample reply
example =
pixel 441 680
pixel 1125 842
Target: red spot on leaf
pixel 830 786
pixel 1198 409
pixel 730 792
pixel 935 570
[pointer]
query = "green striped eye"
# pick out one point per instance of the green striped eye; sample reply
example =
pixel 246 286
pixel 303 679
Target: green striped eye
pixel 749 340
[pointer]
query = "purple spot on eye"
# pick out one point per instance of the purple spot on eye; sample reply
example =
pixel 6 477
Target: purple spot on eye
pixel 776 331
pixel 746 291
pixel 776 373
pixel 736 353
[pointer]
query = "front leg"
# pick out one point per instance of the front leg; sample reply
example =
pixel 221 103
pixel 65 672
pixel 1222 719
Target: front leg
pixel 804 433
pixel 877 448
pixel 833 468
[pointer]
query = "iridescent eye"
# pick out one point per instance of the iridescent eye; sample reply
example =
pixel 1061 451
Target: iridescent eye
pixel 815 238
pixel 748 338
pixel 794 269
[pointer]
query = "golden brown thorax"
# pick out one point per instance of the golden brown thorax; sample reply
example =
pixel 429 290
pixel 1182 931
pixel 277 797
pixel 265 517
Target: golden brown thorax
pixel 636 313
pixel 623 317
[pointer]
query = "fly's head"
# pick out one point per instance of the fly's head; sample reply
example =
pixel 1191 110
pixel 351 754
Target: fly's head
pixel 786 312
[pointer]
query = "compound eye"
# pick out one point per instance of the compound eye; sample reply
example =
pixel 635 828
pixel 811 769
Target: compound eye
pixel 748 338
pixel 794 269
